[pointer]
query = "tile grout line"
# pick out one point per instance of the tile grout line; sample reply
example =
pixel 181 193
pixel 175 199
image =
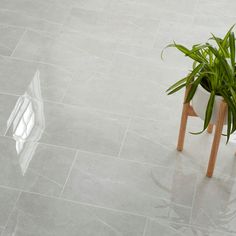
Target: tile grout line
pixel 166 224
pixel 85 203
pixel 30 29
pixel 20 40
pixel 45 177
pixel 5 46
pixel 30 16
pixel 89 108
pixel 145 227
pixel 13 208
pixel 102 207
pixel 72 73
pixel 108 156
pixel 193 200
pixel 37 62
pixel 124 137
pixel 69 173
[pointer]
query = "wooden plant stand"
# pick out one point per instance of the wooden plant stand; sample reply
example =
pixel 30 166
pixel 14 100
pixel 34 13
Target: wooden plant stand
pixel 189 111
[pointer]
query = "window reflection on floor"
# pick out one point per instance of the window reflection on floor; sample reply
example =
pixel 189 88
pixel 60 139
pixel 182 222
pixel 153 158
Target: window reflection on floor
pixel 27 123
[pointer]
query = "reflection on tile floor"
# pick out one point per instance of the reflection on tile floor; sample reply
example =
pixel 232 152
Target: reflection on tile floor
pixel 87 133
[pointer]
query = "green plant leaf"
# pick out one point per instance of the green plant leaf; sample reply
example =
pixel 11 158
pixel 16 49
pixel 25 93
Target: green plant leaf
pixel 219 43
pixel 232 49
pixel 229 125
pixel 213 68
pixel 224 42
pixel 209 110
pixel 177 84
pixel 177 89
pixel 193 89
pixel 184 50
pixel 222 60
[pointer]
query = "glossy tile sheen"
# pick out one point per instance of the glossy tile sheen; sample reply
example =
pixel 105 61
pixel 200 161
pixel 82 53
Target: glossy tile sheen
pixel 9 39
pixel 145 144
pixel 206 213
pixel 131 30
pixel 37 215
pixel 22 20
pixel 8 199
pixel 124 92
pixel 34 167
pixel 63 125
pixel 151 191
pixel 87 133
pixel 16 75
pixel 171 229
pixel 46 10
pixel 54 50
pixel 7 104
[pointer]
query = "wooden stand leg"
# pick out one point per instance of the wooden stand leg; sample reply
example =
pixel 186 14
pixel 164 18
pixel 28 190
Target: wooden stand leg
pixel 210 128
pixel 183 124
pixel 217 136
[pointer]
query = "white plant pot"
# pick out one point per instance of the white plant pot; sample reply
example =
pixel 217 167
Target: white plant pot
pixel 200 101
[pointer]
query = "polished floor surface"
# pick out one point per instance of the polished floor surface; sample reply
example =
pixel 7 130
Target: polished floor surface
pixel 87 133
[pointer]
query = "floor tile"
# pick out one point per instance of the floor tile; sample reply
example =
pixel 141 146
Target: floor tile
pixel 153 58
pixel 45 10
pixel 10 37
pixel 154 227
pixel 214 204
pixel 145 144
pixel 220 21
pixel 37 215
pixel 34 167
pixel 59 124
pixel 142 189
pixel 87 131
pixel 185 34
pixel 124 95
pixel 97 5
pixel 42 47
pixel 210 7
pixel 22 20
pixel 103 25
pixel 8 198
pixel 100 48
pixel 146 10
pixel 226 162
pixel 147 65
pixel 7 104
pixel 16 77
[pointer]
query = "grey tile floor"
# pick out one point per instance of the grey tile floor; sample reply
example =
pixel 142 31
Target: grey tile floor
pixel 87 133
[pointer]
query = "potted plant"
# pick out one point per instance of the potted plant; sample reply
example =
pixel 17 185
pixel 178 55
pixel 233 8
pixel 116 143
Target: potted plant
pixel 211 80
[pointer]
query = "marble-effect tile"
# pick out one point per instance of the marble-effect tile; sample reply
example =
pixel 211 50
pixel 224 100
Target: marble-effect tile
pixel 16 76
pixel 7 104
pixel 8 200
pixel 45 9
pixel 63 125
pixel 55 50
pixel 87 133
pixel 15 18
pixel 37 215
pixel 9 39
pixel 34 167
pixel 151 191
